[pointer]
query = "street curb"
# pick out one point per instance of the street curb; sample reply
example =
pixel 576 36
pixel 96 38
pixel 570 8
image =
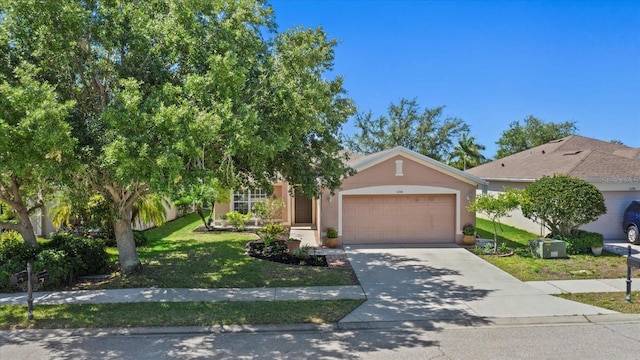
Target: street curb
pixel 440 324
pixel 427 325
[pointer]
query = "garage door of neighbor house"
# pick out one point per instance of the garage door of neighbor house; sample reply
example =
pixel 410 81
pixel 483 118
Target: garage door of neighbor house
pixel 418 219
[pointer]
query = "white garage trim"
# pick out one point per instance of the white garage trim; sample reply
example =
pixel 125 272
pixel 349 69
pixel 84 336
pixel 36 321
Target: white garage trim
pixel 401 190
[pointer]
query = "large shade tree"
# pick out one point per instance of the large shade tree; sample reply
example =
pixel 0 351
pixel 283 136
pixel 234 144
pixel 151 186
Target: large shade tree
pixel 534 132
pixel 427 132
pixel 35 144
pixel 169 93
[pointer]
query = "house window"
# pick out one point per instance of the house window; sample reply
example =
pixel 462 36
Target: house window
pixel 243 201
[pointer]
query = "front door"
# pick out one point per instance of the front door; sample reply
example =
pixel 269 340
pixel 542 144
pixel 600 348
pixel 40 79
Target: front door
pixel 303 210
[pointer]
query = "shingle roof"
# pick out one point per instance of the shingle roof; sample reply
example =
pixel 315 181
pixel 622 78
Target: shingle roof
pixel 367 160
pixel 574 155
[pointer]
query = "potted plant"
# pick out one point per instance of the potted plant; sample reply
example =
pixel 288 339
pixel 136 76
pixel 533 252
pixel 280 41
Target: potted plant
pixel 293 245
pixel 332 238
pixel 469 234
pixel 597 243
pixel 223 220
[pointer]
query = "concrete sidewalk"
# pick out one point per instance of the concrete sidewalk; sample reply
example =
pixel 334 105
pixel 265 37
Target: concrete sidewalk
pixel 552 287
pixel 185 295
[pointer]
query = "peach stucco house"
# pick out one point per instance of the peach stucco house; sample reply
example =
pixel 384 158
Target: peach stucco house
pixel 396 196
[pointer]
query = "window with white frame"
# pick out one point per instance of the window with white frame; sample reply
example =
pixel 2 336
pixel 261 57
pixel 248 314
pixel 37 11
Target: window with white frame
pixel 243 201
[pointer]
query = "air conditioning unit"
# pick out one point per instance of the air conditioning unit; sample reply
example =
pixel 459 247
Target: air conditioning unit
pixel 548 249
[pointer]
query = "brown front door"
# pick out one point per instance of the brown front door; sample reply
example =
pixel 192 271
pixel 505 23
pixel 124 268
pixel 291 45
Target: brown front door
pixel 303 212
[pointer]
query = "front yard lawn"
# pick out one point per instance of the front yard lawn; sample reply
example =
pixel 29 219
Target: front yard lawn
pixel 176 314
pixel 177 257
pixel 526 267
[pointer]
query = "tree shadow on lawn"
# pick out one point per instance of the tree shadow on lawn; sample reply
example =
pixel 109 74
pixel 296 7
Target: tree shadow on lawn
pixel 221 264
pixel 501 239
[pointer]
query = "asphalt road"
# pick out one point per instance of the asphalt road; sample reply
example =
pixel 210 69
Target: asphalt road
pixel 533 341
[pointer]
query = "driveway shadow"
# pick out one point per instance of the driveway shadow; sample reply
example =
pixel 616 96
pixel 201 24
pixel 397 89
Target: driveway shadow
pixel 401 287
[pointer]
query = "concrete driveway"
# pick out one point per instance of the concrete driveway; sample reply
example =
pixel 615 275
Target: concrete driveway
pixel 445 284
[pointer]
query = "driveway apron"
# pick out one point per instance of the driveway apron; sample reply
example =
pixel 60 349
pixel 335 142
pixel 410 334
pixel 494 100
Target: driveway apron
pixel 445 284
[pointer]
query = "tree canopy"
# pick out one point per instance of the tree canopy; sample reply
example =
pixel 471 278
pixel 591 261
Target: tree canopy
pixel 169 93
pixel 35 144
pixel 562 203
pixel 496 206
pixel 532 133
pixel 427 132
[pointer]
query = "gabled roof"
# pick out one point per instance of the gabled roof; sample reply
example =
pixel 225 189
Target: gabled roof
pixel 576 156
pixel 363 162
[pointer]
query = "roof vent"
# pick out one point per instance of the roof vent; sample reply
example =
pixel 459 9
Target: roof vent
pixel 502 164
pixel 573 153
pixel 544 152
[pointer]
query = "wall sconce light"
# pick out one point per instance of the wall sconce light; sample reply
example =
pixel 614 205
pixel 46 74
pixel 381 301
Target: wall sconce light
pixel 470 196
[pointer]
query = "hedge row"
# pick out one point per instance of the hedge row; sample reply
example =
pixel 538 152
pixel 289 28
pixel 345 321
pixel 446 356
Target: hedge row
pixel 65 258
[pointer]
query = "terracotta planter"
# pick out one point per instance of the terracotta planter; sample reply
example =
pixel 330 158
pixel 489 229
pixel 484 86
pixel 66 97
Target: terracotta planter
pixel 331 242
pixel 293 245
pixel 469 240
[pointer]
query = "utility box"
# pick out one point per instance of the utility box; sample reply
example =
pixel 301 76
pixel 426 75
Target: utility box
pixel 549 248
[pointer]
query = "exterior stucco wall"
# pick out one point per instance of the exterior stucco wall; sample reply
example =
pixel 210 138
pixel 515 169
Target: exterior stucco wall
pixel 616 196
pixel 416 178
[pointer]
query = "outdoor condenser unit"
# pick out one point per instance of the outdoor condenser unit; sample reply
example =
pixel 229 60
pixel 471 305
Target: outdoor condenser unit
pixel 548 249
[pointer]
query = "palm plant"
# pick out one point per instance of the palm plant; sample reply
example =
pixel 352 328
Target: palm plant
pixel 150 208
pixel 467 153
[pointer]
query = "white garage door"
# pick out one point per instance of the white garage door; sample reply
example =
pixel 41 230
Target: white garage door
pixel 610 224
pixel 418 219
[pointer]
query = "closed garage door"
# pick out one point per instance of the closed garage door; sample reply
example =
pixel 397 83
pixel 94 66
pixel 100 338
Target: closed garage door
pixel 610 224
pixel 418 219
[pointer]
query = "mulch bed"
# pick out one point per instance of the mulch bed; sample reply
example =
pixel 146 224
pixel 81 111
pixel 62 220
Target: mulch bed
pixel 277 252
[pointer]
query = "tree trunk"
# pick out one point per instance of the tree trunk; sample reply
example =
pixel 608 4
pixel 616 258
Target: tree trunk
pixel 24 227
pixel 127 253
pixel 202 217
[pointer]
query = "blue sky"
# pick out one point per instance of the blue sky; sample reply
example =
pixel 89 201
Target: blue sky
pixel 489 62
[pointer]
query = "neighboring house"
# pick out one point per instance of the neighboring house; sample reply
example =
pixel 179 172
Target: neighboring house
pixel 43 226
pixel 613 168
pixel 396 196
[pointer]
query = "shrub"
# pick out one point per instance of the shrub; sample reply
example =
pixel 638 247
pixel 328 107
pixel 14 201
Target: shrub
pixel 14 255
pixel 563 203
pixel 580 241
pixel 273 230
pixel 57 265
pixel 269 209
pixel 238 220
pixel 469 229
pixel 13 247
pixel 86 256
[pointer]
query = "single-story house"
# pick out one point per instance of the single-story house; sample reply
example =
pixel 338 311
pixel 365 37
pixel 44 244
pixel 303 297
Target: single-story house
pixel 613 168
pixel 396 196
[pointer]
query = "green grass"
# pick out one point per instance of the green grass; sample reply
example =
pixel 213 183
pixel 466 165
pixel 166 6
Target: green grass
pixel 528 268
pixel 176 314
pixel 610 300
pixel 176 256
